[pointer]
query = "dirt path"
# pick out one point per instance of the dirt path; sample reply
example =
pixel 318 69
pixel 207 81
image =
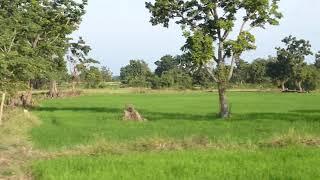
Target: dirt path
pixel 15 149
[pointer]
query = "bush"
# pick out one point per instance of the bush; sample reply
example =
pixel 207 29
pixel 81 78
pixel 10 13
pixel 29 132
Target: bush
pixel 167 80
pixel 175 78
pixel 155 82
pixel 203 79
pixel 312 81
pixel 138 82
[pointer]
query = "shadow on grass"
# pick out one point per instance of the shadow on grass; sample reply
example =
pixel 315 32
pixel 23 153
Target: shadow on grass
pixel 152 116
pixel 290 116
pixel 307 111
pixel 293 116
pixel 77 109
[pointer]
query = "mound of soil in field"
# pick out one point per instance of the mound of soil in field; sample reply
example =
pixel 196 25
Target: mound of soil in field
pixel 131 114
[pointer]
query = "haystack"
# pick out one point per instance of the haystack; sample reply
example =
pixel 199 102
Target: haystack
pixel 130 114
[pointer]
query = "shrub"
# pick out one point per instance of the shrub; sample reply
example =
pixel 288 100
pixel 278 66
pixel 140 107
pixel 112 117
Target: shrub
pixel 175 78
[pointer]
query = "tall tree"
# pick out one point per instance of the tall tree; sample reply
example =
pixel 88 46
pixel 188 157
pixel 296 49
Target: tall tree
pixel 79 60
pixel 166 63
pixel 92 76
pixel 135 73
pixel 215 21
pixel 106 74
pixel 241 74
pixel 291 60
pixel 49 26
pixel 257 71
pixel 16 66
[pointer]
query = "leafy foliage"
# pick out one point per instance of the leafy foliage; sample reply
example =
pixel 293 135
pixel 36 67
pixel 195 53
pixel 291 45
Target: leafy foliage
pixel 290 62
pixel 34 39
pixel 317 61
pixel 199 48
pixel 106 74
pixel 166 63
pixel 257 71
pixel 213 22
pixel 135 74
pixel 93 77
pixel 79 59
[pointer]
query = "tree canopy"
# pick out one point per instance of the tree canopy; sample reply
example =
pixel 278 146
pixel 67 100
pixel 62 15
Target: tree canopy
pixel 205 21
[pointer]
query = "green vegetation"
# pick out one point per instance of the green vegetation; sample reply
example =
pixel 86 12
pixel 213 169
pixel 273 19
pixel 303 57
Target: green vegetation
pixel 212 37
pixel 254 136
pixel 265 164
pixel 256 117
pixel 270 136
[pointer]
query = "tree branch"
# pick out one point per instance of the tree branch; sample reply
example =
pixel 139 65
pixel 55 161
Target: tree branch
pixel 232 67
pixel 216 17
pixel 243 25
pixel 236 57
pixel 212 75
pixel 51 42
pixel 35 42
pixel 13 39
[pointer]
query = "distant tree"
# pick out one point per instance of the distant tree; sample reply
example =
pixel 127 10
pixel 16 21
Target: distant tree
pixel 279 71
pixel 257 71
pixel 201 77
pixel 92 76
pixel 300 74
pixel 166 63
pixel 290 61
pixel 311 79
pixel 241 73
pixel 106 74
pixel 79 60
pixel 317 62
pixel 184 62
pixel 135 74
pixel 177 78
pixel 205 22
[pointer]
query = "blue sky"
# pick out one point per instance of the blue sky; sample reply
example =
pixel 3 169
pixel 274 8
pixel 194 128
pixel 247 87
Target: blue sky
pixel 119 31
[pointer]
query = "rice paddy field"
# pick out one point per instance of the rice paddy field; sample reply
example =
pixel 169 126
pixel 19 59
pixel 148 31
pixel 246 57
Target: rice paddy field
pixel 269 136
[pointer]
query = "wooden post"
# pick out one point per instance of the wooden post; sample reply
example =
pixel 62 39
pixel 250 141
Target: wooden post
pixel 1 107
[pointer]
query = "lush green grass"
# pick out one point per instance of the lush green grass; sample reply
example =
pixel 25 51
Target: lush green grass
pixel 256 117
pixel 263 164
pixel 270 136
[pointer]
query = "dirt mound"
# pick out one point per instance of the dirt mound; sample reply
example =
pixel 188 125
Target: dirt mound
pixel 131 114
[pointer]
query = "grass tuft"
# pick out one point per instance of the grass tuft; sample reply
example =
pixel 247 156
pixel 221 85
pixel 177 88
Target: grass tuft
pixel 293 138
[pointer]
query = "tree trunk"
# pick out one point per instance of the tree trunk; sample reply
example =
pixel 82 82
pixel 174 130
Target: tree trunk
pixel 53 89
pixel 224 106
pixel 283 85
pixel 26 97
pixel 1 107
pixel 29 94
pixel 74 86
pixel 300 86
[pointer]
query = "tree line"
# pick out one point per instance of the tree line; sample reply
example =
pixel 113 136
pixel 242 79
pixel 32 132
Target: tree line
pixel 288 70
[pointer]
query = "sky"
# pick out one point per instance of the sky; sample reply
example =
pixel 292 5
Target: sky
pixel 119 31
